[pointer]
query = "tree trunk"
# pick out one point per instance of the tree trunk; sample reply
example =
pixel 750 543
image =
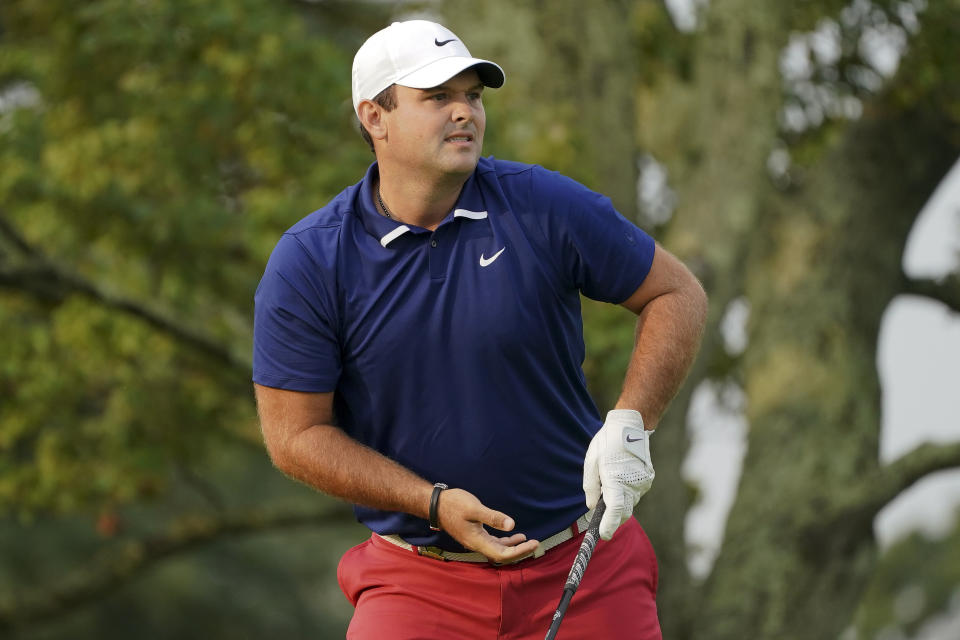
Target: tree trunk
pixel 825 262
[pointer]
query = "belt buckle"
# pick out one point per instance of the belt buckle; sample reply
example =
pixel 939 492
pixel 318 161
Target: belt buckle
pixel 432 552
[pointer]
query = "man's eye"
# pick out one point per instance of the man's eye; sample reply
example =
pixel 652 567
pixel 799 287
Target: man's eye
pixel 438 96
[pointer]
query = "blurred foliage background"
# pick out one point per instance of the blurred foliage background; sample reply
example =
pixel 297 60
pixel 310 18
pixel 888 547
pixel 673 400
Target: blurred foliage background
pixel 151 152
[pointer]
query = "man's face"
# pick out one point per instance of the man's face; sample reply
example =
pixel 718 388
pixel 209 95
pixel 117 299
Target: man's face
pixel 437 131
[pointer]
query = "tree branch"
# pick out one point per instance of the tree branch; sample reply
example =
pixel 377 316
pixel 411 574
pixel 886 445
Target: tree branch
pixel 47 281
pixel 18 241
pixel 204 489
pixel 945 290
pixel 120 564
pixel 852 516
pixel 893 479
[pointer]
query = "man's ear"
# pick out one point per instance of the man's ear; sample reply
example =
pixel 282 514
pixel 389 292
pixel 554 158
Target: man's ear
pixel 371 117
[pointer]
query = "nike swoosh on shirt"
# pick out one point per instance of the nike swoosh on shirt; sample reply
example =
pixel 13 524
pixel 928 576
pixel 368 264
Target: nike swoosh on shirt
pixel 440 44
pixel 487 261
pixel 629 439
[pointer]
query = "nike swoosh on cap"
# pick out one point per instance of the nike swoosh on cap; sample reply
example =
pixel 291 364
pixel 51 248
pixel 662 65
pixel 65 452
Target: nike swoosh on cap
pixel 440 44
pixel 487 261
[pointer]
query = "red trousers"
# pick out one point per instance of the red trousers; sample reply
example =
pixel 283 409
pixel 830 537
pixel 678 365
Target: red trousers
pixel 399 595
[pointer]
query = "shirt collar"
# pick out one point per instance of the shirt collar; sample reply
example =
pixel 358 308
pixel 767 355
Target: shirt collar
pixel 469 206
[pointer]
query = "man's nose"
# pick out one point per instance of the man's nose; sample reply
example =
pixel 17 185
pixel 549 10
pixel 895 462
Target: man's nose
pixel 462 112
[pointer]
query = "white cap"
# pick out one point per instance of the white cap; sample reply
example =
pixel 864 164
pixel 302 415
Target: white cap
pixel 418 54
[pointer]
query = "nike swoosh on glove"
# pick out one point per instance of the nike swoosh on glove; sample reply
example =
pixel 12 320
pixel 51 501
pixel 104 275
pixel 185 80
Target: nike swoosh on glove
pixel 618 465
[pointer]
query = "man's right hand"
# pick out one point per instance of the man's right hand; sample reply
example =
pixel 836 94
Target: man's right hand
pixel 462 516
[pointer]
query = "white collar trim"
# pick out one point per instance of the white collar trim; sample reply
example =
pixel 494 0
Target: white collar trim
pixel 473 215
pixel 458 213
pixel 393 235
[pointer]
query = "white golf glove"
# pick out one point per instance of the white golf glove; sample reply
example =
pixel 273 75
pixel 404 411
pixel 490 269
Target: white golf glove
pixel 618 464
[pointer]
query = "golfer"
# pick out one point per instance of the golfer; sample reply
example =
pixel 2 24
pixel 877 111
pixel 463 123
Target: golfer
pixel 417 351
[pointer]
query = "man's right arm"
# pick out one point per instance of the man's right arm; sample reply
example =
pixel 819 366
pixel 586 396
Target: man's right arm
pixel 303 442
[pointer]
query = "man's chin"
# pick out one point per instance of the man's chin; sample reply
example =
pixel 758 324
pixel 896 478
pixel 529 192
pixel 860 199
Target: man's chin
pixel 462 165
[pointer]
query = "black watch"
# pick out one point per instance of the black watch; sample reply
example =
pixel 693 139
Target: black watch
pixel 434 499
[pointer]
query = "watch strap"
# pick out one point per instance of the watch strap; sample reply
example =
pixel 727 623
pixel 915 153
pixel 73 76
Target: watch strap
pixel 434 500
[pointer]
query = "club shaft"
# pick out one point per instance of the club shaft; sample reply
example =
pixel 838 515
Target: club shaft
pixel 558 616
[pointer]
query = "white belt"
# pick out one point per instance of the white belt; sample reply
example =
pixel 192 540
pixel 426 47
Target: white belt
pixel 437 553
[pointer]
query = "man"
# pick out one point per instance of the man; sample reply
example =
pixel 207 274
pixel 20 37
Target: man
pixel 423 331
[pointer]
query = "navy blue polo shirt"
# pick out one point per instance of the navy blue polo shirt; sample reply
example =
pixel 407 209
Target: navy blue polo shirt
pixel 456 352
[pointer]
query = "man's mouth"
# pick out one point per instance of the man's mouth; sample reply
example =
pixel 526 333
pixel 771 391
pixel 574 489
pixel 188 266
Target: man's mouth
pixel 460 138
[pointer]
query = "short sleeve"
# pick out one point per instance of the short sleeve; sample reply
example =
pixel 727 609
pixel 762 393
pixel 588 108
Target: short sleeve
pixel 295 343
pixel 601 253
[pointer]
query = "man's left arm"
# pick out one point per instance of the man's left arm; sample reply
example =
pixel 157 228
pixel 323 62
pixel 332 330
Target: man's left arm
pixel 671 309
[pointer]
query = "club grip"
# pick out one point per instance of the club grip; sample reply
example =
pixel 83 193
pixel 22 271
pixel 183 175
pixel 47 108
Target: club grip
pixel 586 549
pixel 579 566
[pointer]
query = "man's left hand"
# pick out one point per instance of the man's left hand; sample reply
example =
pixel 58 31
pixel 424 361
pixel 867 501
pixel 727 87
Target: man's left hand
pixel 618 465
